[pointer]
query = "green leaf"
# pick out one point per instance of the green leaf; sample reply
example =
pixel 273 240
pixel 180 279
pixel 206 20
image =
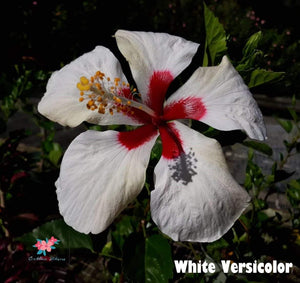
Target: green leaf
pixel 121 231
pixel 252 44
pixel 158 259
pixel 261 76
pixel 293 114
pixel 262 147
pixel 293 192
pixel 215 37
pixel 55 154
pixel 281 175
pixel 69 238
pixel 287 125
pixel 147 260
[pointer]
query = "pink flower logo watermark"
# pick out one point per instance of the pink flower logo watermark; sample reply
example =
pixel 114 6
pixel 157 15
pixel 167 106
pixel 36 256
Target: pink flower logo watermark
pixel 46 245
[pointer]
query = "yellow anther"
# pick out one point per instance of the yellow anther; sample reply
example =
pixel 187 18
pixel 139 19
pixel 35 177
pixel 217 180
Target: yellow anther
pixel 118 100
pixel 131 112
pixel 82 87
pixel 98 73
pixel 140 107
pixel 92 79
pixel 128 85
pixel 101 110
pixel 128 102
pixel 90 103
pixel 134 90
pixel 111 112
pixel 81 93
pixel 84 80
pixel 98 86
pixel 81 99
pixel 108 79
pixel 117 79
pixel 99 99
pixel 123 83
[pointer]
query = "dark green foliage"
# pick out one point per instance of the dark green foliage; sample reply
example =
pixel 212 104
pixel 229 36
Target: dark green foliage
pixel 47 35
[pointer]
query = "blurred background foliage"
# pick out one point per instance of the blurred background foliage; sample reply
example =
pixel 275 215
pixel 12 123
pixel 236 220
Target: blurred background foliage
pixel 262 40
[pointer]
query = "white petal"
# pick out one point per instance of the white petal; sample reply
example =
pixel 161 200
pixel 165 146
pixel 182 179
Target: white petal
pixel 228 103
pixel 195 197
pixel 98 178
pixel 61 100
pixel 149 52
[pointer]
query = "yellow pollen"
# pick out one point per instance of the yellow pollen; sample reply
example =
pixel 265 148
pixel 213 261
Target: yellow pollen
pixel 84 80
pixel 106 94
pixel 83 87
pixel 91 103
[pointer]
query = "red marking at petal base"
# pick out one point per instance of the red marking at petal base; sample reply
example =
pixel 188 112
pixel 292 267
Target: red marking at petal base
pixel 134 113
pixel 126 92
pixel 137 137
pixel 185 108
pixel 171 141
pixel 158 85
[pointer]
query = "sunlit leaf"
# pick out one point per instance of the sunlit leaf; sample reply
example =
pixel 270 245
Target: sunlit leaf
pixel 287 125
pixel 262 147
pixel 215 37
pixel 261 76
pixel 252 44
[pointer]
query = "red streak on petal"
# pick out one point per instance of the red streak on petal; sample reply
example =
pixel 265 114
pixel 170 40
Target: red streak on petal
pixel 137 137
pixel 126 92
pixel 134 113
pixel 171 141
pixel 185 108
pixel 138 115
pixel 159 83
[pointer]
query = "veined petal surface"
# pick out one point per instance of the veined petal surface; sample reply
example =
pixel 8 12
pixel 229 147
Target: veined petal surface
pixel 195 197
pixel 155 59
pixel 101 173
pixel 61 103
pixel 218 97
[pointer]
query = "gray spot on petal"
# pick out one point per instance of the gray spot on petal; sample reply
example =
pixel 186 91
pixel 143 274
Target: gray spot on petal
pixel 183 167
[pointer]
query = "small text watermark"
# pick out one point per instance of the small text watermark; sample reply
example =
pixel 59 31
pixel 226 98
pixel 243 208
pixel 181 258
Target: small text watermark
pixel 227 266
